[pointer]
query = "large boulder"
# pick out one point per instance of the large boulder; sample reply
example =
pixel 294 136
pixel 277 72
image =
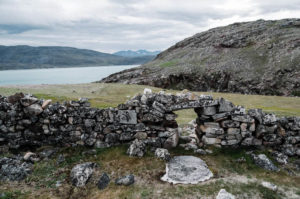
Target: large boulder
pixel 81 173
pixel 13 169
pixel 186 170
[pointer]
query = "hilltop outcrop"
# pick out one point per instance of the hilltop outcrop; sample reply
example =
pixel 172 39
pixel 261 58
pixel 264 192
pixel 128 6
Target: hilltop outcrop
pixel 259 57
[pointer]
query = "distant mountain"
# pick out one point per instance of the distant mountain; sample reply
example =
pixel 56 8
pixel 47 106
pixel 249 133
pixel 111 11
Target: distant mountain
pixel 138 53
pixel 26 57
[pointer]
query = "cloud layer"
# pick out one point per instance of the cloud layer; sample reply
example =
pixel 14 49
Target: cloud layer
pixel 112 25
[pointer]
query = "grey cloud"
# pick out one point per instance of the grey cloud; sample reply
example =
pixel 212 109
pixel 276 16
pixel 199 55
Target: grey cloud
pixel 112 25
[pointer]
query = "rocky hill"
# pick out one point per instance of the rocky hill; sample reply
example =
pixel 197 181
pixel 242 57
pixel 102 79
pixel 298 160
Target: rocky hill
pixel 24 57
pixel 259 57
pixel 138 53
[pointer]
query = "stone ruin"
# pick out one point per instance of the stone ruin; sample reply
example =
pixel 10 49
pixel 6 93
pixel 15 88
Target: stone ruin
pixel 145 120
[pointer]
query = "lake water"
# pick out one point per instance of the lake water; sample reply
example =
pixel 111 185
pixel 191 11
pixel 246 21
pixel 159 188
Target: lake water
pixel 59 75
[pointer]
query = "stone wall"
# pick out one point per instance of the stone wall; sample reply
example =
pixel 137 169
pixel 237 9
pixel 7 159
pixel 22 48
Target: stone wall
pixel 145 120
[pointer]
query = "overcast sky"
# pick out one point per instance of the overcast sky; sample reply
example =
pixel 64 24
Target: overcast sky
pixel 112 25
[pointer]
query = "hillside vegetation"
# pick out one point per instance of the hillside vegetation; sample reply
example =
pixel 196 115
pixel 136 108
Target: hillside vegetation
pixel 259 57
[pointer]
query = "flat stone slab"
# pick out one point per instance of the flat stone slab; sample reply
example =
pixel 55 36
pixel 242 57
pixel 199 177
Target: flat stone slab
pixel 186 170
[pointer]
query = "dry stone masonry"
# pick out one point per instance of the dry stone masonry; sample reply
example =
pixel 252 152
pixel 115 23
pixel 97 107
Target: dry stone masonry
pixel 145 120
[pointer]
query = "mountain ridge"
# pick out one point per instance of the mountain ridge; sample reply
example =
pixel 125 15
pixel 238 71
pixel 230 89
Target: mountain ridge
pixel 28 57
pixel 137 53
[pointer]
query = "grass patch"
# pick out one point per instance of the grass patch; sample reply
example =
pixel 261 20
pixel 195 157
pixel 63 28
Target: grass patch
pixel 168 64
pixel 17 194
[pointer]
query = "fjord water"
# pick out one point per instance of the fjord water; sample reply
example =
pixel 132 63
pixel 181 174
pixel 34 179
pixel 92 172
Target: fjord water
pixel 59 75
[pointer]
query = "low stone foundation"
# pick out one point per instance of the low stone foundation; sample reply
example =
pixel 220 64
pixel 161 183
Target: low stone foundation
pixel 148 118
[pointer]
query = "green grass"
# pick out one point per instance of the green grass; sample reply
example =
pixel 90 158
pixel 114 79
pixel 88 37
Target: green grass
pixel 168 64
pixel 110 95
pixel 16 194
pixel 148 170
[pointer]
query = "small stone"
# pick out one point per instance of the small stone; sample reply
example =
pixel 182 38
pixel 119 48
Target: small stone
pixel 269 119
pixel 200 151
pixel 29 156
pixel 81 173
pixel 210 141
pixel 264 162
pixel 125 180
pixel 269 185
pixel 280 157
pixel 233 131
pixel 137 148
pixel 241 160
pixel 141 135
pixel 223 194
pixel 103 181
pixel 242 118
pixel 162 154
pixel 46 103
pixel 60 159
pixel 147 91
pixel 127 116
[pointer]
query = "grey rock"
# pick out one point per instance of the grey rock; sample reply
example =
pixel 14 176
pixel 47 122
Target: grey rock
pixel 125 180
pixel 13 169
pixel 221 116
pixel 34 109
pixel 223 194
pixel 209 111
pixel 186 170
pixel 280 157
pixel 172 140
pixel 230 124
pixel 81 173
pixel 269 185
pixel 225 106
pixel 211 141
pixel 103 181
pixel 137 148
pixel 127 117
pixel 32 157
pixel 242 118
pixel 28 100
pixel 60 159
pixel 264 162
pixel 269 119
pixel 162 154
pixel 200 151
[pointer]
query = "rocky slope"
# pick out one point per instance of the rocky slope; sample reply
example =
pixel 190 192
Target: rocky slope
pixel 260 57
pixel 25 57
